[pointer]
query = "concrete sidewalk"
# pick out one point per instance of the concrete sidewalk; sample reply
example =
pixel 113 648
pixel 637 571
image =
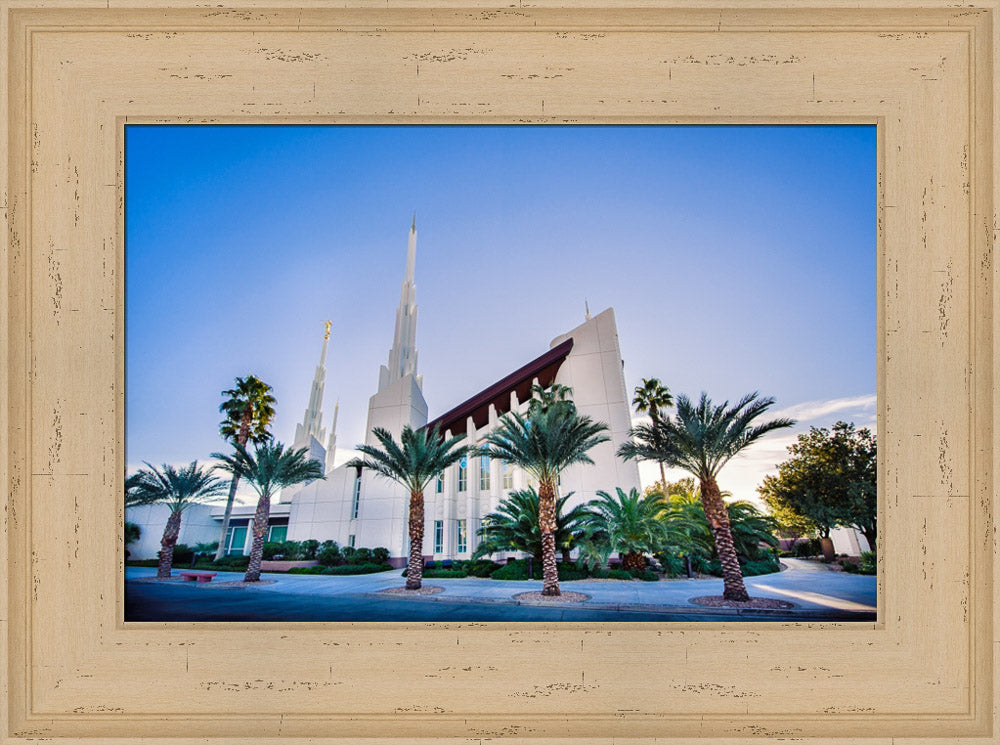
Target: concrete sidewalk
pixel 810 591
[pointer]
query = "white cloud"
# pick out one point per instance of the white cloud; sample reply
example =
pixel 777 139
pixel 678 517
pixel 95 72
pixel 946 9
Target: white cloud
pixel 744 473
pixel 810 411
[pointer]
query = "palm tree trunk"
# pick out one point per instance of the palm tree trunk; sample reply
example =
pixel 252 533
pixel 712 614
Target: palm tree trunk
pixel 260 519
pixel 547 526
pixel 718 521
pixel 634 560
pixel 415 567
pixel 167 543
pixel 242 438
pixel 220 552
pixel 663 479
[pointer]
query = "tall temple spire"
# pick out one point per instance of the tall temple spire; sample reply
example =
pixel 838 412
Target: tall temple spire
pixel 331 445
pixel 312 422
pixel 403 355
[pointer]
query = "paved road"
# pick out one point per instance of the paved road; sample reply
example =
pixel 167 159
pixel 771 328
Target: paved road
pixel 170 602
pixel 826 596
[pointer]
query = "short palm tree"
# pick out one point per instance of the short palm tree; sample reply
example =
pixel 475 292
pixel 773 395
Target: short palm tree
pixel 249 409
pixel 514 526
pixel 418 457
pixel 628 523
pixel 751 528
pixel 550 438
pixel 179 489
pixel 652 397
pixel 701 439
pixel 269 469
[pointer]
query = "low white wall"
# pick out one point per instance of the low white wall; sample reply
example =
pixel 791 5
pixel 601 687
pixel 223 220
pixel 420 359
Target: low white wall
pixel 197 526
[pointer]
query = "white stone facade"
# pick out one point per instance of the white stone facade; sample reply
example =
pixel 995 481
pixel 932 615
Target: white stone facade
pixel 455 507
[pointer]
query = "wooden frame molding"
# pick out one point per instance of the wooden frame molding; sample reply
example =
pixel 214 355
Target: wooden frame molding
pixel 76 71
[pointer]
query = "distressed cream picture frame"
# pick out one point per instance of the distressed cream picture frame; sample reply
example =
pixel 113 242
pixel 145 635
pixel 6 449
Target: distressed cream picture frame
pixel 76 72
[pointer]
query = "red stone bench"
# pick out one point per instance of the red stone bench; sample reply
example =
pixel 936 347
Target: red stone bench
pixel 200 576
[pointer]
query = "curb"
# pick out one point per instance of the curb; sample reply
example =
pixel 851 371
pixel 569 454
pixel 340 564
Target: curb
pixel 804 613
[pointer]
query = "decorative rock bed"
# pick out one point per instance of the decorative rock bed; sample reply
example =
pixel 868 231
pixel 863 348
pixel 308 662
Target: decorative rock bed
pixel 717 601
pixel 565 597
pixel 426 590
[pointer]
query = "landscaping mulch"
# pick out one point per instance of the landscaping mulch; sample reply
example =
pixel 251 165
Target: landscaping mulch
pixel 156 579
pixel 565 597
pixel 717 601
pixel 425 590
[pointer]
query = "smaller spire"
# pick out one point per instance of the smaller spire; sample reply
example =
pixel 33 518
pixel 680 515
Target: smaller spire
pixel 413 225
pixel 327 334
pixel 586 305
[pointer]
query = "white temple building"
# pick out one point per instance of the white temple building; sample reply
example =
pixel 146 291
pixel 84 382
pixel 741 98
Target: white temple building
pixel 362 509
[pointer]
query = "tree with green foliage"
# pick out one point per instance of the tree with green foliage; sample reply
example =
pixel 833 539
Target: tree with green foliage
pixel 248 409
pixel 830 480
pixel 751 528
pixel 418 457
pixel 701 438
pixel 515 526
pixel 268 470
pixel 550 437
pixel 179 489
pixel 629 524
pixel 651 397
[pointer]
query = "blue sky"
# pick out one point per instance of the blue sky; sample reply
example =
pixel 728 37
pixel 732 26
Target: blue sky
pixel 737 258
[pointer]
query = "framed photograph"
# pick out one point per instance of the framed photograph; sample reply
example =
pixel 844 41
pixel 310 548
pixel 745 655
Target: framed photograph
pixel 78 82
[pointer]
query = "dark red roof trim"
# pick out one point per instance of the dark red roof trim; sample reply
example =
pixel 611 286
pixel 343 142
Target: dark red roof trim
pixel 478 407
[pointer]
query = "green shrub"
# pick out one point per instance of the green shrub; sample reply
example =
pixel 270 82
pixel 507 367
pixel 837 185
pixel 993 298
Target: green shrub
pixel 441 573
pixel 619 574
pixel 269 549
pixel 357 569
pixel 183 554
pixel 766 565
pixel 673 565
pixel 329 554
pixel 309 547
pixel 361 556
pixel 647 574
pixel 571 572
pixel 143 563
pixel 868 563
pixel 481 568
pixel 850 567
pixel 233 562
pixel 811 547
pixel 348 553
pixel 380 555
pixel 307 570
pixel 132 532
pixel 518 570
pixel 600 573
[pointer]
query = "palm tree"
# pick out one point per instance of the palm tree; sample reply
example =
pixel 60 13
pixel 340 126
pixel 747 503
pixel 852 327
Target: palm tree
pixel 750 528
pixel 249 409
pixel 179 489
pixel 268 470
pixel 552 436
pixel 652 396
pixel 514 526
pixel 629 524
pixel 419 456
pixel 701 439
